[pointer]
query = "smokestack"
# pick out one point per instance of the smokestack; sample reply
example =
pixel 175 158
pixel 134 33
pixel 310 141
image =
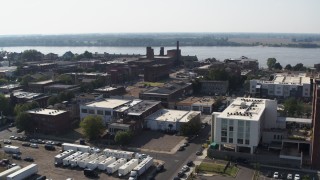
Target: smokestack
pixel 177 46
pixel 161 51
pixel 150 53
pixel 178 53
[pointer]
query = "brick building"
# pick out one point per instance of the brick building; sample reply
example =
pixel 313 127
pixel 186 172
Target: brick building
pixel 156 72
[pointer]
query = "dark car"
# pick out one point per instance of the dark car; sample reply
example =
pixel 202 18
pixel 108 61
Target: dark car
pixel 58 143
pixel 90 173
pixel 26 144
pixel 242 160
pixel 198 153
pixel 49 147
pixel 269 174
pixel 16 156
pixel 6 141
pixel 159 167
pixel 189 163
pixel 42 178
pixel 181 148
pixel 180 174
pixel 6 161
pixel 28 159
pixel 82 142
pixel 176 178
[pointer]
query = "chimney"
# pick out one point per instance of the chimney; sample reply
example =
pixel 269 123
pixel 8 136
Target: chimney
pixel 178 53
pixel 177 45
pixel 150 53
pixel 161 51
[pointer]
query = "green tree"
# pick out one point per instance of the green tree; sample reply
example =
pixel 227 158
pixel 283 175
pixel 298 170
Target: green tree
pixel 24 121
pixel 68 55
pixel 65 79
pixel 87 55
pixel 32 55
pixel 19 108
pixel 277 66
pixel 299 67
pixel 25 80
pixel 92 126
pixel 53 100
pixel 123 137
pixel 271 62
pixel 191 128
pixel 288 67
pixel 3 81
pixel 4 104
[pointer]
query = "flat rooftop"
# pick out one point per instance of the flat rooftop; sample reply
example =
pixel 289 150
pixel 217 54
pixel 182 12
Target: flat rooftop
pixel 142 107
pixel 172 115
pixel 62 86
pixel 106 88
pixel 289 79
pixel 26 95
pixel 296 120
pixel 42 82
pixel 244 109
pixel 108 103
pixel 51 112
pixel 10 86
pixel 167 88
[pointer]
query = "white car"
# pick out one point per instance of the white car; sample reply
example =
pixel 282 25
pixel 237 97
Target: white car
pixel 276 175
pixel 33 145
pixel 296 177
pixel 289 176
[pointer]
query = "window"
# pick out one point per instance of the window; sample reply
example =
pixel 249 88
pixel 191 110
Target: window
pixel 107 113
pixel 223 139
pixel 91 111
pixel 84 111
pixel 230 128
pixel 247 141
pixel 230 140
pixel 240 141
pixel 274 136
pixel 223 133
pixel 100 112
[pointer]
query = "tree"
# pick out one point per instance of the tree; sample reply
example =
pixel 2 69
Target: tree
pixel 24 121
pixel 19 108
pixel 4 104
pixel 53 100
pixel 87 55
pixel 288 67
pixel 190 128
pixel 277 66
pixel 65 79
pixel 32 55
pixel 299 67
pixel 92 126
pixel 271 62
pixel 3 81
pixel 123 137
pixel 68 55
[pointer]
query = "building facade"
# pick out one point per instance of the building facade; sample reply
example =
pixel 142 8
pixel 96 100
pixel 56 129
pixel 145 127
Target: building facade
pixel 315 141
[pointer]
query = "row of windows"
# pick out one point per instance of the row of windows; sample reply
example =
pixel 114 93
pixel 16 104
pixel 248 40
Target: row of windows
pixel 99 112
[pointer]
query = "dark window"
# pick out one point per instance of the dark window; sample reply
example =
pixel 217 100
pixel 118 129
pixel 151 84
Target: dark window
pixel 230 140
pixel 231 128
pixel 240 141
pixel 274 136
pixel 223 139
pixel 84 110
pixel 100 112
pixel 247 141
pixel 108 113
pixel 91 111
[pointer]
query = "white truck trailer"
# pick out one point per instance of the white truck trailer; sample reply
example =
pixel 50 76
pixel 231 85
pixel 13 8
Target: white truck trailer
pixel 4 174
pixel 94 163
pixel 118 154
pixel 75 147
pixel 66 161
pixel 24 172
pixel 127 167
pixel 83 162
pixel 141 168
pixel 59 158
pixel 103 164
pixel 111 168
pixel 11 149
pixel 74 162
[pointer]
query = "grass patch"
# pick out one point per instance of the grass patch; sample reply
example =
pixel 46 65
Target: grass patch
pixel 153 84
pixel 218 168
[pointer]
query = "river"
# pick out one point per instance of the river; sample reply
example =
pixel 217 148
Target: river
pixel 307 56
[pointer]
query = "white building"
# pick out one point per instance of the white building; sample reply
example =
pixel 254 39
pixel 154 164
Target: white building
pixel 282 86
pixel 103 108
pixel 170 120
pixel 240 125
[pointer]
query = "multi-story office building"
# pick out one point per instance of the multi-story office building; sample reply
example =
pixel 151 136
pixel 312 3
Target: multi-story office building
pixel 315 140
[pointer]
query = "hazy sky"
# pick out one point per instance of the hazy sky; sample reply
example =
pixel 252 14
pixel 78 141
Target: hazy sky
pixel 108 16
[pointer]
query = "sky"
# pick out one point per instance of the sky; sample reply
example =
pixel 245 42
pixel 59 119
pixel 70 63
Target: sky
pixel 137 16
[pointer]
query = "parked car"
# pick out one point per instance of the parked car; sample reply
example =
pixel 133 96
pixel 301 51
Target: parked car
pixel 176 178
pixel 269 174
pixel 26 144
pixel 90 173
pixel 198 153
pixel 82 142
pixel 185 168
pixel 33 145
pixel 28 159
pixel 42 178
pixel 40 141
pixel 189 163
pixel 296 177
pixel 185 144
pixel 289 176
pixel 180 174
pixel 16 156
pixel 12 165
pixel 49 147
pixel 11 137
pixel 6 141
pixel 159 167
pixel 242 160
pixel 181 148
pixel 276 175
pixel 33 141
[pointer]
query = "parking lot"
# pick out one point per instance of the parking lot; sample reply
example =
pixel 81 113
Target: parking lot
pixel 268 173
pixel 45 161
